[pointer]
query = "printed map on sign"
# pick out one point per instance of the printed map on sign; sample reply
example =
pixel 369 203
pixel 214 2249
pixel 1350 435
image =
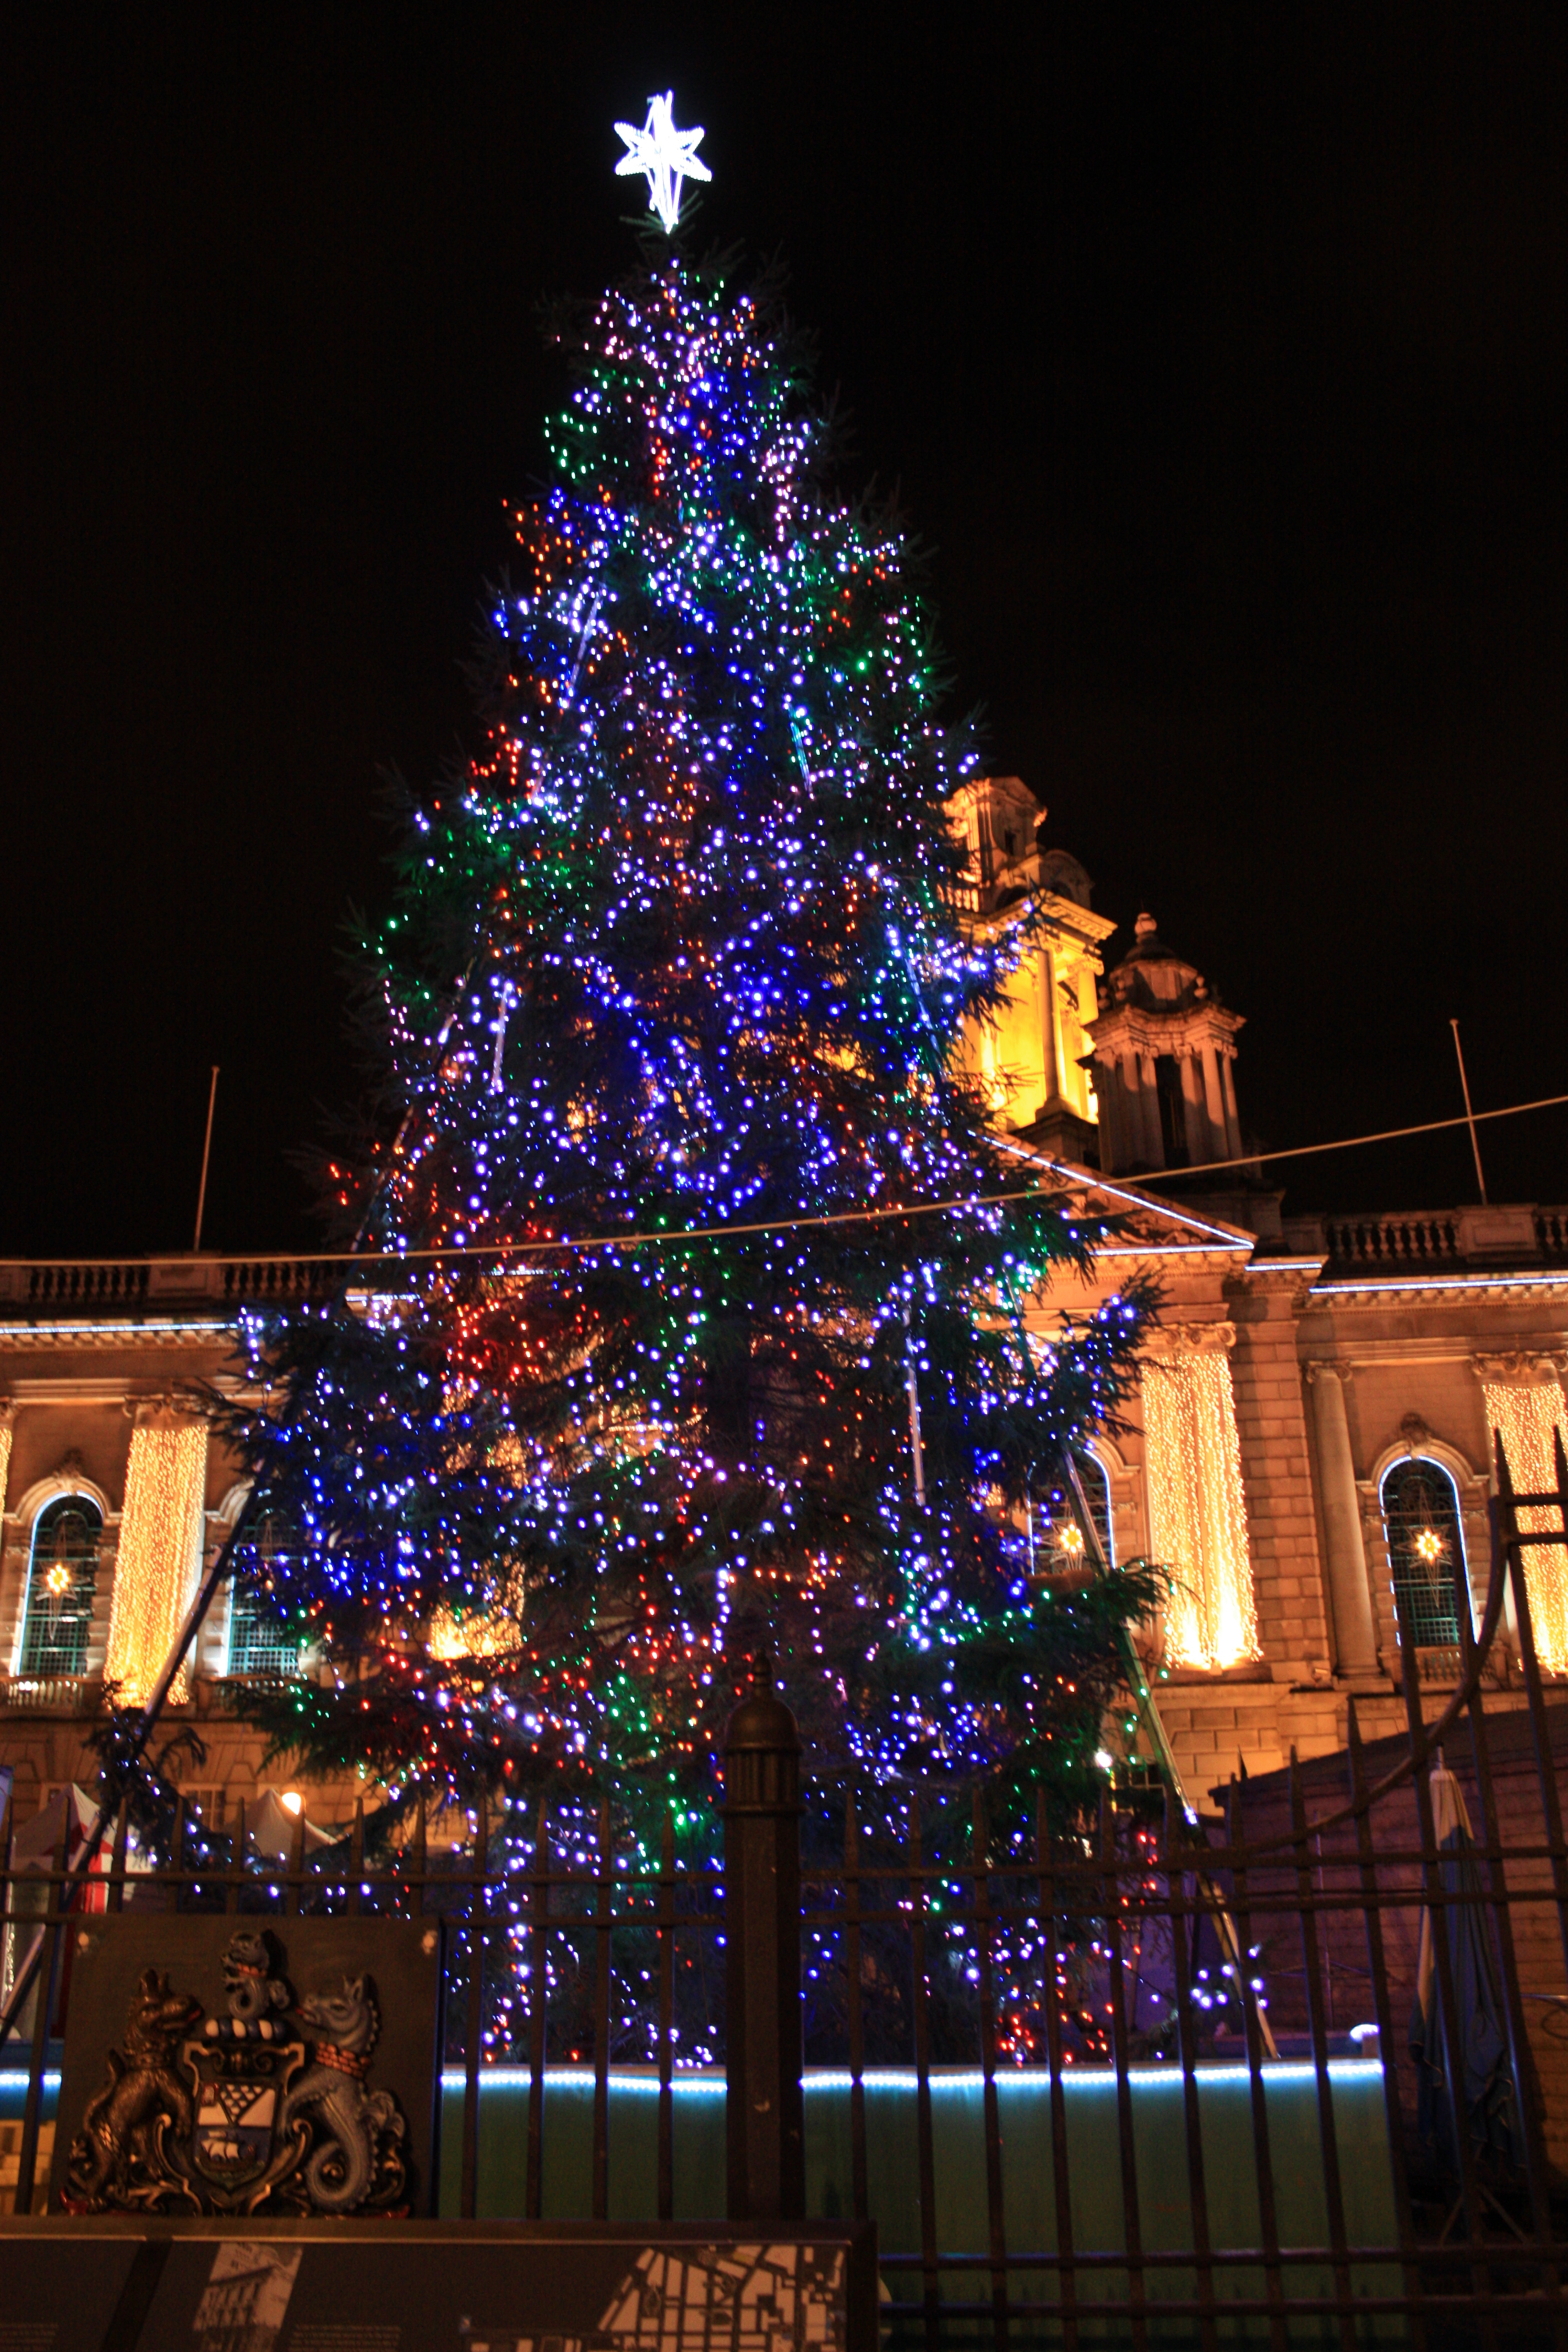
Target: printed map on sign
pixel 739 2298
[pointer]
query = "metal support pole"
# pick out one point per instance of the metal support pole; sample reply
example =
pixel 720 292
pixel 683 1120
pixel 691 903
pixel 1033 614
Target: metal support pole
pixel 206 1155
pixel 763 2110
pixel 911 1383
pixel 1469 1114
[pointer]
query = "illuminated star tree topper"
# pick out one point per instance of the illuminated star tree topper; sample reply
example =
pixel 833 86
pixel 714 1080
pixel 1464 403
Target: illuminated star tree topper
pixel 668 155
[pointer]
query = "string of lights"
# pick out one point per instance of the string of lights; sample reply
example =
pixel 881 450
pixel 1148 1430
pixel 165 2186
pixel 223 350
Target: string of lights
pixel 1352 1142
pixel 957 1204
pixel 1527 1416
pixel 688 1102
pixel 1066 1174
pixel 160 1555
pixel 1198 1508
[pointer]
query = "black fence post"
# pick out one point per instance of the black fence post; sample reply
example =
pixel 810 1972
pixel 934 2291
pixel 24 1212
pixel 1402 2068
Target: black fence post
pixel 764 2108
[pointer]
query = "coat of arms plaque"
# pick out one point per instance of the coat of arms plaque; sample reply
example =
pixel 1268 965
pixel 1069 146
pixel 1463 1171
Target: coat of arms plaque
pixel 250 2067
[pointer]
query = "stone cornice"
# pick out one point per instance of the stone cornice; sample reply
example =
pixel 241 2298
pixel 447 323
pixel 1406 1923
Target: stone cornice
pixel 1387 1291
pixel 1145 1029
pixel 1081 922
pixel 25 1339
pixel 1189 1336
pixel 1375 1352
pixel 1058 916
pixel 1521 1368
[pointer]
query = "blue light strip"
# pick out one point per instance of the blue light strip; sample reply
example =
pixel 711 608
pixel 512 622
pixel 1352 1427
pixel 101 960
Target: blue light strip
pixel 896 2078
pixel 707 2085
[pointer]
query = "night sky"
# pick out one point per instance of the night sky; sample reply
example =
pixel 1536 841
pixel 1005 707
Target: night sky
pixel 1219 356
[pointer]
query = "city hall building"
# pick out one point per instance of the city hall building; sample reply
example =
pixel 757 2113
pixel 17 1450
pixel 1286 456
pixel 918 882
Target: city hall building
pixel 1311 1437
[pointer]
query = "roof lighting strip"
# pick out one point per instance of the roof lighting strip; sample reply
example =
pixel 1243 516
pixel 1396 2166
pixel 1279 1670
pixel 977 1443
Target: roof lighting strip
pixel 1521 1281
pixel 1067 1168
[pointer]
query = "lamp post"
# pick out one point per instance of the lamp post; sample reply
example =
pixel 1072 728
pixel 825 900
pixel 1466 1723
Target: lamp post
pixel 763 2112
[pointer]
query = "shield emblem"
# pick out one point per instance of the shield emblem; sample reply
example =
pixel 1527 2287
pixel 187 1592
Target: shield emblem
pixel 239 2098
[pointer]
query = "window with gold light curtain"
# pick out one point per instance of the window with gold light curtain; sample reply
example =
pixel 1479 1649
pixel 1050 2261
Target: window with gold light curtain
pixel 160 1555
pixel 1198 1510
pixel 1526 1418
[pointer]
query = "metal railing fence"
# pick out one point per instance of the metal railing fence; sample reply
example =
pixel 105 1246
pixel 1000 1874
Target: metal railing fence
pixel 932 1956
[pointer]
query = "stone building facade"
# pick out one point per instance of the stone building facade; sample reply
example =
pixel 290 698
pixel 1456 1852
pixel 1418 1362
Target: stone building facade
pixel 1314 1427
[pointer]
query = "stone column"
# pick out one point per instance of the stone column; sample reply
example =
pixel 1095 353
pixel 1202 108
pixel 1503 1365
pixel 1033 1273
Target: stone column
pixel 1350 1592
pixel 1051 1028
pixel 1148 1099
pixel 1232 1123
pixel 1192 1110
pixel 1132 1106
pixel 1219 1148
pixel 1113 1151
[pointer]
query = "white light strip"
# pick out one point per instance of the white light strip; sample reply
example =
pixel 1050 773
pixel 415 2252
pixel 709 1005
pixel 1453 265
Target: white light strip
pixel 1069 1168
pixel 1445 1282
pixel 1176 1249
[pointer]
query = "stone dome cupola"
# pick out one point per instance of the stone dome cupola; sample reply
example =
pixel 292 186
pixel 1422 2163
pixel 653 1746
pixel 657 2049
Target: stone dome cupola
pixel 1154 976
pixel 1163 1047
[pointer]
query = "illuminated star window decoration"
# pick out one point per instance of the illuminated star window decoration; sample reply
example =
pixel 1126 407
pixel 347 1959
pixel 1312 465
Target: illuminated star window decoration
pixel 666 154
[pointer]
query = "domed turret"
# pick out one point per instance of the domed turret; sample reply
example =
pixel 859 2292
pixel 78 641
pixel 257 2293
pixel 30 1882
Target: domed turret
pixel 1163 1046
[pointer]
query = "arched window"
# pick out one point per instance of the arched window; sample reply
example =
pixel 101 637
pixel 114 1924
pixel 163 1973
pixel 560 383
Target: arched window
pixel 258 1643
pixel 1063 1551
pixel 62 1579
pixel 1426 1552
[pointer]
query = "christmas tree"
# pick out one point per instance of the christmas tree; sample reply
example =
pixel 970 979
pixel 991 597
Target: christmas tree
pixel 711 1332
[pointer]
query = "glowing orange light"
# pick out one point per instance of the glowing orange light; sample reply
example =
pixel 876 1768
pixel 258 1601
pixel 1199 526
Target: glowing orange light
pixel 1198 1509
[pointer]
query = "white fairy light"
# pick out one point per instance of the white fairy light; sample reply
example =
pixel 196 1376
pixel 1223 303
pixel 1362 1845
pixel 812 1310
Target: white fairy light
pixel 666 154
